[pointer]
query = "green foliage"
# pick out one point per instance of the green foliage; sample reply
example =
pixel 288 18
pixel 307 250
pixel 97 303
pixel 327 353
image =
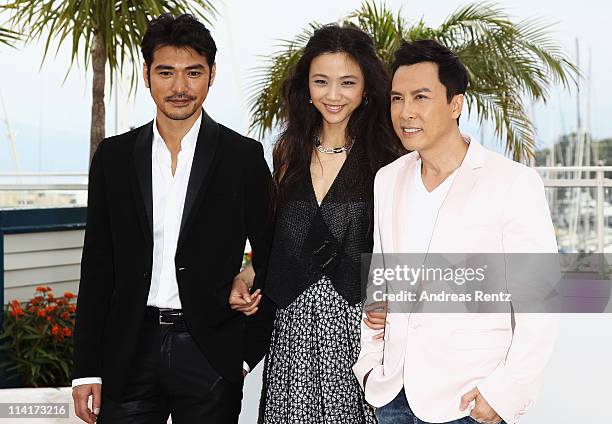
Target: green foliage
pixel 37 338
pixel 509 63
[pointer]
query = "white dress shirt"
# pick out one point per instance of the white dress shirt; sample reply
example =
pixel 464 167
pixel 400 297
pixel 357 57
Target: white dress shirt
pixel 168 203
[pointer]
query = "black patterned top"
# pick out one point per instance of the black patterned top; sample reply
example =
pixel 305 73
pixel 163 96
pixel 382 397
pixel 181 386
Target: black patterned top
pixel 312 240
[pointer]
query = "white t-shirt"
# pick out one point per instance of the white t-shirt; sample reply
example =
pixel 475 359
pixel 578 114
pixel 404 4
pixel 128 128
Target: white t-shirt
pixel 422 210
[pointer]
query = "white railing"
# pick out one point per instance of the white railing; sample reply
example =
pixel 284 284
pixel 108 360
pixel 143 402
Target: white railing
pixel 31 181
pixel 42 189
pixel 575 179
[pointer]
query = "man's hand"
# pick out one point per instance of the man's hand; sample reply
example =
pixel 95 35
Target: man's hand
pixel 482 412
pixel 241 300
pixel 376 317
pixel 80 395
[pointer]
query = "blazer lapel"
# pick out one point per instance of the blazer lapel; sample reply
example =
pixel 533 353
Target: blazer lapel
pixel 206 146
pixel 142 165
pixel 399 226
pixel 459 193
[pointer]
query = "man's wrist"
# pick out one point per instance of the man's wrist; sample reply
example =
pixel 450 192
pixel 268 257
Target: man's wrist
pixel 246 283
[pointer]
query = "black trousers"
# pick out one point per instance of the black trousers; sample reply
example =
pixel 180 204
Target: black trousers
pixel 170 376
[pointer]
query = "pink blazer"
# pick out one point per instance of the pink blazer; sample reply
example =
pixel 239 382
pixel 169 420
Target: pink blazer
pixel 494 205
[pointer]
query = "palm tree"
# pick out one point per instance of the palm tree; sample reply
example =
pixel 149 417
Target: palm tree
pixel 509 63
pixel 105 32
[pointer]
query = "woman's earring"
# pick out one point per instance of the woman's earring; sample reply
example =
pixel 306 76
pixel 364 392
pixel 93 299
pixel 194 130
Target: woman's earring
pixel 309 100
pixel 365 100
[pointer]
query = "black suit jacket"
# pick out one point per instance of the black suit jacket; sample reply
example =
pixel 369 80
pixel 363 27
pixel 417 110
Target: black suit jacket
pixel 227 200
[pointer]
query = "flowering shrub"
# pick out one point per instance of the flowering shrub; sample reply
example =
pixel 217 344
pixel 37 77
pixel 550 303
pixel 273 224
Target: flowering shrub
pixel 37 337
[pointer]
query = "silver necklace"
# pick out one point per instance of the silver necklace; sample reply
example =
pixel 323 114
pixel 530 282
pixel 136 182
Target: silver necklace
pixel 332 150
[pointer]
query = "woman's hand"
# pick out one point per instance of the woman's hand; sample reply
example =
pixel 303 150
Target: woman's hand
pixel 376 317
pixel 240 298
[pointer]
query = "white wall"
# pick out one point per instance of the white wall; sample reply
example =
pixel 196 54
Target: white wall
pixel 34 259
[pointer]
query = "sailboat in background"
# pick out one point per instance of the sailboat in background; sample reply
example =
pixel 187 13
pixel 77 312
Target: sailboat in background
pixel 581 207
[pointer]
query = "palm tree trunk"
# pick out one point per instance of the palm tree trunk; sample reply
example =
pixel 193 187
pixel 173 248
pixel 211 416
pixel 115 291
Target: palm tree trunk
pixel 98 61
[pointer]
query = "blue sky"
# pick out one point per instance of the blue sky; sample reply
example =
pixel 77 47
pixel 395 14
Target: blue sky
pixel 51 119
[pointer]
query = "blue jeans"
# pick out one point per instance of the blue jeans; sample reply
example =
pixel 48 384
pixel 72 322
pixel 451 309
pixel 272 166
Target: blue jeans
pixel 398 412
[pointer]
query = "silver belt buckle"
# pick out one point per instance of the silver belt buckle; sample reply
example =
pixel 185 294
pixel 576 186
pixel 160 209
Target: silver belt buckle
pixel 160 317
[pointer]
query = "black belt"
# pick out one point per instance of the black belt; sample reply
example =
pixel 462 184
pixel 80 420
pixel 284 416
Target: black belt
pixel 164 316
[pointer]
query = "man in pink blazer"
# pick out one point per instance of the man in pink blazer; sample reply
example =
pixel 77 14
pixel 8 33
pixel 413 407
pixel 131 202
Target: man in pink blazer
pixel 451 195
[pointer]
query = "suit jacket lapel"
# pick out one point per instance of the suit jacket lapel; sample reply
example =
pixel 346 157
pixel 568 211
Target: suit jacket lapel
pixel 399 226
pixel 208 140
pixel 142 165
pixel 459 193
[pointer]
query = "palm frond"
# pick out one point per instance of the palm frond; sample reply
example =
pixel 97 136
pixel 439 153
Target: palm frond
pixel 383 26
pixel 265 102
pixel 505 110
pixel 8 37
pixel 472 21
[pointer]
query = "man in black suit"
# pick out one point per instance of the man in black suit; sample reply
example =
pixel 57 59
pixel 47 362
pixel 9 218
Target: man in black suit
pixel 170 207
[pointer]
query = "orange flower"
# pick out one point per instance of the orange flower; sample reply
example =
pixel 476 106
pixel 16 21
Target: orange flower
pixel 65 316
pixel 50 308
pixel 16 309
pixel 69 295
pixel 72 308
pixel 56 330
pixel 67 332
pixel 50 296
pixel 42 313
pixel 43 289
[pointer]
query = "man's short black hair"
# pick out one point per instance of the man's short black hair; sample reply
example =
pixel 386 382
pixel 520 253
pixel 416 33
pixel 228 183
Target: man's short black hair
pixel 451 72
pixel 181 31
